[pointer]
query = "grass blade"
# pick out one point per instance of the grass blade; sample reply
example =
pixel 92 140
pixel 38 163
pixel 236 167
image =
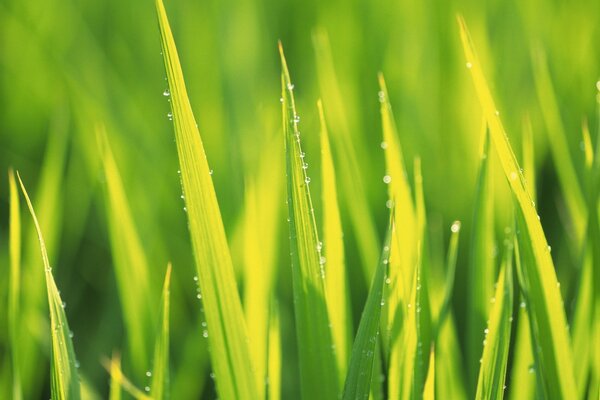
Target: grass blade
pixel 336 279
pixel 496 343
pixel 230 354
pixel 160 371
pixel 14 299
pixel 319 377
pixel 537 277
pixel 429 390
pixel 115 377
pixel 64 379
pixel 358 380
pixel 274 358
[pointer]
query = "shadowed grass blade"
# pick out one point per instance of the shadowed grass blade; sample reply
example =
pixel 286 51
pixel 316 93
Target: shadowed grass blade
pixel 358 380
pixel 160 370
pixel 319 377
pixel 64 379
pixel 228 338
pixel 336 279
pixel 537 277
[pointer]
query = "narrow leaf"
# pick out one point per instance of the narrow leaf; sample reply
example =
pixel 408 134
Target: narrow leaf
pixel 14 298
pixel 160 371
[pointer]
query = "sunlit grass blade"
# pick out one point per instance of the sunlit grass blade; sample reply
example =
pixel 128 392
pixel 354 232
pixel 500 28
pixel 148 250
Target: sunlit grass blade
pixel 64 378
pixel 537 278
pixel 131 264
pixel 160 369
pixel 450 275
pixel 496 342
pixel 115 377
pixel 353 188
pixel 529 158
pixel 318 371
pixel 559 147
pixel 360 370
pixel 14 299
pixel 522 379
pixel 230 354
pixel 335 268
pixel 118 379
pixel 449 380
pixel 274 359
pixel 481 261
pixel 429 389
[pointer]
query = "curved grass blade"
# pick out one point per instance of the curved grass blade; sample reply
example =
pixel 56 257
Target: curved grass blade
pixel 481 262
pixel 118 379
pixel 360 370
pixel 230 354
pixel 64 378
pixel 160 372
pixel 336 279
pixel 14 297
pixel 539 283
pixel 115 377
pixel 131 264
pixel 496 343
pixel 319 377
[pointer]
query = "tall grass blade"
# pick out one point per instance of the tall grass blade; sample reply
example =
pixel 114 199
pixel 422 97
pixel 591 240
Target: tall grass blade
pixel 14 299
pixel 429 390
pixel 358 380
pixel 115 377
pixel 335 268
pixel 318 371
pixel 274 358
pixel 537 277
pixel 230 354
pixel 160 370
pixel 64 379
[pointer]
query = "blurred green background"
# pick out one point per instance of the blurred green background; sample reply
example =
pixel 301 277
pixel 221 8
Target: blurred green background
pixel 69 66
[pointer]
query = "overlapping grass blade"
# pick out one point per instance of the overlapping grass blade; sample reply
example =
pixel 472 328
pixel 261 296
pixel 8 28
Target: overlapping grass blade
pixel 529 158
pixel 360 370
pixel 160 371
pixel 64 379
pixel 481 262
pixel 429 389
pixel 118 379
pixel 274 359
pixel 319 376
pixel 450 275
pixel 337 281
pixel 115 377
pixel 496 342
pixel 14 299
pixel 230 354
pixel 353 192
pixel 131 264
pixel 537 277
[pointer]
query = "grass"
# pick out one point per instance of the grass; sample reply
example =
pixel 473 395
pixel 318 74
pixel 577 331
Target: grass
pixel 313 252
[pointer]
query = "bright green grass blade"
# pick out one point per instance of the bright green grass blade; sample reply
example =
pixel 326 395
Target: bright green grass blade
pixel 336 279
pixel 160 370
pixel 360 370
pixel 582 325
pixel 522 379
pixel 539 282
pixel 353 187
pixel 449 380
pixel 429 389
pixel 64 379
pixel 496 342
pixel 14 297
pixel 115 377
pixel 529 158
pixel 131 264
pixel 559 146
pixel 450 274
pixel 230 354
pixel 319 377
pixel 274 359
pixel 481 262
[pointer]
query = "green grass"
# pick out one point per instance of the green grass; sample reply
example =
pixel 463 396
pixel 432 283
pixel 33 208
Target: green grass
pixel 406 218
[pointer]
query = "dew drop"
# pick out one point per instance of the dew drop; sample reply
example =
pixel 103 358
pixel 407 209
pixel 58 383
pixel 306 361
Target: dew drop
pixel 71 334
pixel 210 172
pixel 455 227
pixel 469 65
pixel 63 304
pixel 147 388
pixel 384 145
pixel 205 333
pixel 486 331
pixel 549 249
pixel 166 93
pixel 531 369
pixel 522 305
pixel 170 116
pixel 196 278
pixel 388 281
pixel 148 373
pixel 296 118
pixel 497 112
pixel 307 180
pixel 290 86
pixel 387 179
pixel 281 99
pixel 389 204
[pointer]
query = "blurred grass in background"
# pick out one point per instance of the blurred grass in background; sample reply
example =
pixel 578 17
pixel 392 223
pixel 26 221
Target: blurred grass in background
pixel 68 67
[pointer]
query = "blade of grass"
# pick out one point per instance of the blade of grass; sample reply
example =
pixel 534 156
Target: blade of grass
pixel 14 320
pixel 230 354
pixel 115 377
pixel 529 158
pixel 338 301
pixel 160 370
pixel 496 342
pixel 450 274
pixel 539 282
pixel 64 379
pixel 319 376
pixel 118 378
pixel 274 359
pixel 429 390
pixel 358 380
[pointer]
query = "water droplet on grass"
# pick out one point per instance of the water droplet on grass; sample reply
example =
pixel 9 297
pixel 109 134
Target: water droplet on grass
pixel 166 93
pixel 148 373
pixel 290 86
pixel 384 145
pixel 455 226
pixel 387 179
pixel 469 65
pixel 170 116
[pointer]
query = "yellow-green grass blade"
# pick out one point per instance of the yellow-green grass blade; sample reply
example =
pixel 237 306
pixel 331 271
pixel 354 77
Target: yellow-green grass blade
pixel 429 389
pixel 450 275
pixel 559 147
pixel 131 264
pixel 353 192
pixel 529 158
pixel 274 358
pixel 496 342
pixel 360 370
pixel 335 267
pixel 115 377
pixel 63 375
pixel 539 283
pixel 160 371
pixel 230 354
pixel 318 370
pixel 118 379
pixel 522 379
pixel 481 262
pixel 449 380
pixel 14 299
